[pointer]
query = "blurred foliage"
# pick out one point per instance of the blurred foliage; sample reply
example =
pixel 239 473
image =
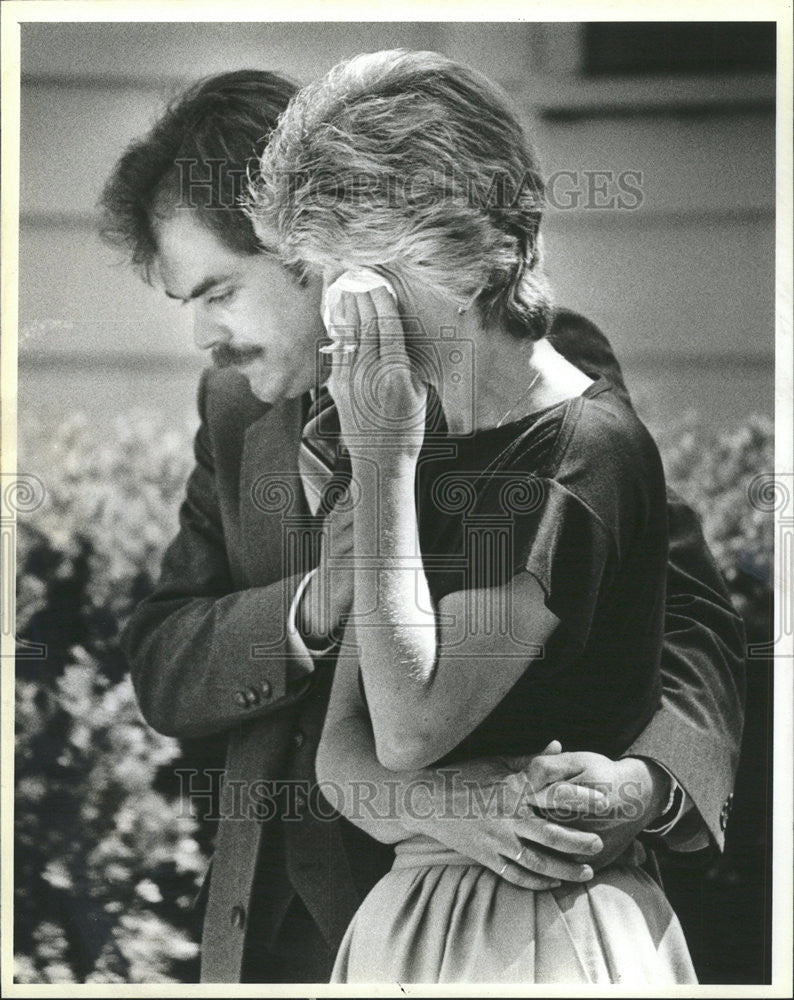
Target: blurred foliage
pixel 729 482
pixel 107 857
pixel 107 860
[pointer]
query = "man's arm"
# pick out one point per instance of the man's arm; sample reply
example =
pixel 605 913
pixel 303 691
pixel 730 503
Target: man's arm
pixel 696 734
pixel 192 643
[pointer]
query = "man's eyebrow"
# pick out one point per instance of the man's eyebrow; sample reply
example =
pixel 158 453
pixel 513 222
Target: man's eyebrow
pixel 200 289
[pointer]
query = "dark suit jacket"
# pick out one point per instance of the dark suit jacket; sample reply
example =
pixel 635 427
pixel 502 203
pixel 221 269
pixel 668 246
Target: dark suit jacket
pixel 208 653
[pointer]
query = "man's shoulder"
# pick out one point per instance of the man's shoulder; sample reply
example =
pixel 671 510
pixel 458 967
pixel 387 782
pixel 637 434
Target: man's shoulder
pixel 582 343
pixel 567 323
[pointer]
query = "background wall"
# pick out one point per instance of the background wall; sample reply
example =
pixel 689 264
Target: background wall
pixel 682 284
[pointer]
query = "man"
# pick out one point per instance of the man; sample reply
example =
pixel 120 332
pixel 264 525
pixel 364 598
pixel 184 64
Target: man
pixel 217 648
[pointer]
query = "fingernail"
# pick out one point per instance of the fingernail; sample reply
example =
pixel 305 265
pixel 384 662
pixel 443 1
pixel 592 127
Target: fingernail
pixel 586 872
pixel 597 846
pixel 554 885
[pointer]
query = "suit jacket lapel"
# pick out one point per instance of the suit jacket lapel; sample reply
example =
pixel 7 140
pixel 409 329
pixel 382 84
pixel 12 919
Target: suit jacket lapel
pixel 271 494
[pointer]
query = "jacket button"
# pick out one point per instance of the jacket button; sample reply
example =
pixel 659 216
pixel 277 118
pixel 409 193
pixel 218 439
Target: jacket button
pixel 241 699
pixel 237 917
pixel 298 739
pixel 251 697
pixel 267 689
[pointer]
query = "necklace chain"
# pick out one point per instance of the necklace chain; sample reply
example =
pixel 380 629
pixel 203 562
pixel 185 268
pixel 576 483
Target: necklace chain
pixel 520 399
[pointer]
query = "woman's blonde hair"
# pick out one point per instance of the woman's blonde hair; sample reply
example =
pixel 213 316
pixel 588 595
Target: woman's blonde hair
pixel 410 161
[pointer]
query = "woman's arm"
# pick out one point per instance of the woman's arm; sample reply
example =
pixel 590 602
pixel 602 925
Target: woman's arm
pixel 430 676
pixel 346 764
pixel 479 809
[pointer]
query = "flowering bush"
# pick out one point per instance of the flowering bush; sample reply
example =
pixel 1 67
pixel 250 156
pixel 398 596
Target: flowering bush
pixel 107 858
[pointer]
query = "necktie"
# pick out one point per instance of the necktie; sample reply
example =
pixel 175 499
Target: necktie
pixel 323 465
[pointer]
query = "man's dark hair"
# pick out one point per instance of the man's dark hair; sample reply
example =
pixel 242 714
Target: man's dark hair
pixel 197 154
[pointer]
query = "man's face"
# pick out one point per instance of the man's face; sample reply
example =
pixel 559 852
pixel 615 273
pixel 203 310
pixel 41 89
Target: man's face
pixel 247 308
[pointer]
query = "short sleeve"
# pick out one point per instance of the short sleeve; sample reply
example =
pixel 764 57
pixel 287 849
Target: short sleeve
pixel 564 544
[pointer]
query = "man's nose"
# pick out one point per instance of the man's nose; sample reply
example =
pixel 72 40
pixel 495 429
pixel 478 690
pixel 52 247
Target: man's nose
pixel 206 333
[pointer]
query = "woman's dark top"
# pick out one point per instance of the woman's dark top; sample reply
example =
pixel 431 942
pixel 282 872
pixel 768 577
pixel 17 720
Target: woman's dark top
pixel 575 495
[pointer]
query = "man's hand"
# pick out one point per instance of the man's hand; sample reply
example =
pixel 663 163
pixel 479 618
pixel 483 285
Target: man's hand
pixel 485 814
pixel 635 793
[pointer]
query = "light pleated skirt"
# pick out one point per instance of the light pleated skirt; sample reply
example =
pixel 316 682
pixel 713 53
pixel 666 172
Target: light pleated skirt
pixel 438 917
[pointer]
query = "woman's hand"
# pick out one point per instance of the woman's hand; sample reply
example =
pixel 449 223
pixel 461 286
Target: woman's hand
pixel 380 400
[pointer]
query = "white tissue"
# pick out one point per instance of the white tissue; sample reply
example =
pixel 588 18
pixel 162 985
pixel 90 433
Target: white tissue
pixel 357 280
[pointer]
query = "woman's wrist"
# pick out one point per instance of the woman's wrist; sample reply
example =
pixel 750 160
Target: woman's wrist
pixel 387 463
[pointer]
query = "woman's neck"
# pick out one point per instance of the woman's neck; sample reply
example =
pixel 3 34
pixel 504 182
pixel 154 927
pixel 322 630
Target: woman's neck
pixel 509 379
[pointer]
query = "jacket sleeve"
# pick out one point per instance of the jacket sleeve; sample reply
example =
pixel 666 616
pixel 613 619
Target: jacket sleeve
pixel 204 656
pixel 696 733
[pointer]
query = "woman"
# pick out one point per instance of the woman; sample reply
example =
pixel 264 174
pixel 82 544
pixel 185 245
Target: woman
pixel 508 523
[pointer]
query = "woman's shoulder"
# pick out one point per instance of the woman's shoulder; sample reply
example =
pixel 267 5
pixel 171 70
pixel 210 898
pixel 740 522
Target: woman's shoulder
pixel 599 427
pixel 606 463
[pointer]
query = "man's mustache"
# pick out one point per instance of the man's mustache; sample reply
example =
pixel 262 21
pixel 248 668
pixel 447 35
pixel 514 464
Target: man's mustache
pixel 224 356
